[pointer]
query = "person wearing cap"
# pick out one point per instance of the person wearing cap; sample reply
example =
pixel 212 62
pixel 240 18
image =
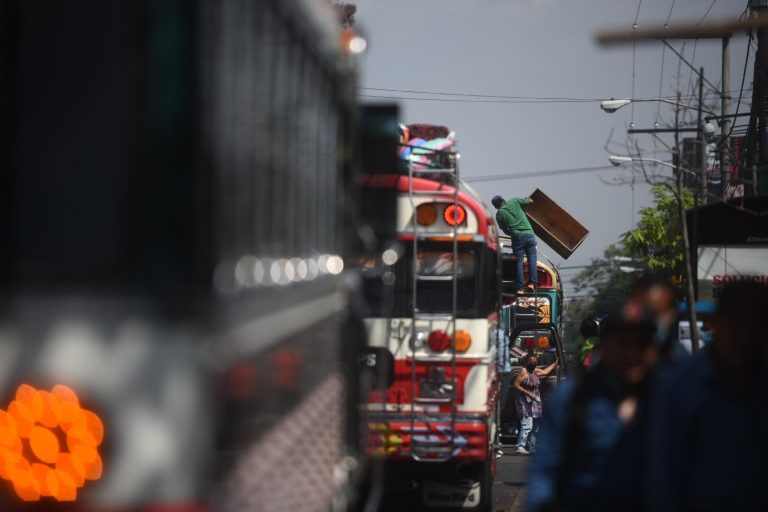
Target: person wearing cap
pixel 594 430
pixel 514 222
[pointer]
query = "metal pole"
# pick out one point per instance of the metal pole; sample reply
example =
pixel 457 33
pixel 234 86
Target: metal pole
pixel 725 123
pixel 761 64
pixel 686 242
pixel 702 145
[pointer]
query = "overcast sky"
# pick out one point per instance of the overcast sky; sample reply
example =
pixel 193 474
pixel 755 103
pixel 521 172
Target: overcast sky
pixel 543 49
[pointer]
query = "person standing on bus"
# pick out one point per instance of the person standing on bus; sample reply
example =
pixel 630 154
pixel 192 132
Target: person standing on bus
pixel 514 222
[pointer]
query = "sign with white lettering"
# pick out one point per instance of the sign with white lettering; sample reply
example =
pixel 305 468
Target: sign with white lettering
pixel 720 265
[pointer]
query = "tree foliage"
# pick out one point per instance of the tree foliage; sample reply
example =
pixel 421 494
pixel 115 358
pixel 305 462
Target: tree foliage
pixel 657 240
pixel 654 245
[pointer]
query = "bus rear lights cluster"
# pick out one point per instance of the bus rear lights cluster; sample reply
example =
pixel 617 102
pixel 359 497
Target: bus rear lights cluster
pixel 455 215
pixel 542 343
pixel 440 341
pixel 463 341
pixel 426 214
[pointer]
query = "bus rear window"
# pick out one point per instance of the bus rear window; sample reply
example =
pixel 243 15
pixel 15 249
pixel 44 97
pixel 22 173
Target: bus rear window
pixel 389 292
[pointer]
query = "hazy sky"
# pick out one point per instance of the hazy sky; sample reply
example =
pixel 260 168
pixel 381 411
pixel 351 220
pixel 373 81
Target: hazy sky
pixel 540 48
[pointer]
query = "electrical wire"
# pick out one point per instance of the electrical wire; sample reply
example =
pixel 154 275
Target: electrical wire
pixel 634 54
pixel 511 102
pixel 637 14
pixel 691 86
pixel 706 13
pixel 743 77
pixel 460 100
pixel 536 174
pixel 476 95
pixel 661 78
pixel 666 23
pixel 502 96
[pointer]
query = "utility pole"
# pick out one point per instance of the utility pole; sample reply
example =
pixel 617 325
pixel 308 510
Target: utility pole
pixel 761 83
pixel 680 192
pixel 702 144
pixel 725 123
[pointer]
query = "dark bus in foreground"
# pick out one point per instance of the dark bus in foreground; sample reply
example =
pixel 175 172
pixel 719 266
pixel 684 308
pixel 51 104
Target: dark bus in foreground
pixel 175 321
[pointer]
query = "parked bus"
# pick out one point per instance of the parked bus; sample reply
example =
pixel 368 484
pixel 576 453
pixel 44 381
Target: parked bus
pixel 176 319
pixel 435 422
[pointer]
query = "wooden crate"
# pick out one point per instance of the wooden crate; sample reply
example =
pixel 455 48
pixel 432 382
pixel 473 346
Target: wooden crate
pixel 556 227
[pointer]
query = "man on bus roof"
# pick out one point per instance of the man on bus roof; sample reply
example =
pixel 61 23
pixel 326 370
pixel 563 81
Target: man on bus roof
pixel 514 222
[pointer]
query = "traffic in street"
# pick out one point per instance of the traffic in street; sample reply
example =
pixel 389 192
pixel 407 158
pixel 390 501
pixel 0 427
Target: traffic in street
pixel 414 255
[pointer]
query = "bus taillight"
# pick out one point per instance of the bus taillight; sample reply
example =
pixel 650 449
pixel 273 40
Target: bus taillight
pixel 463 341
pixel 455 215
pixel 439 341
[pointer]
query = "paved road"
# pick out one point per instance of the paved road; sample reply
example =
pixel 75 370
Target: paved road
pixel 508 487
pixel 510 483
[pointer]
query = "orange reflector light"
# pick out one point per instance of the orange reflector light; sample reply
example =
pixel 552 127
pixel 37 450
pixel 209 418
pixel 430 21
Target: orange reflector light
pixel 48 444
pixel 439 341
pixel 455 215
pixel 543 342
pixel 463 341
pixel 460 238
pixel 426 214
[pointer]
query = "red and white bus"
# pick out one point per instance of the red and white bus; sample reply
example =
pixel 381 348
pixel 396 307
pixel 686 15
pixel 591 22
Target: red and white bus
pixel 435 423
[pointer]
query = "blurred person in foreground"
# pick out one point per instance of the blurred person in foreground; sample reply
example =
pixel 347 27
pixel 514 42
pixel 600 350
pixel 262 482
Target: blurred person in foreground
pixel 710 418
pixel 659 295
pixel 593 433
pixel 528 401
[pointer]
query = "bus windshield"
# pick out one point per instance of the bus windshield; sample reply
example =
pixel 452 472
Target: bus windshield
pixel 388 290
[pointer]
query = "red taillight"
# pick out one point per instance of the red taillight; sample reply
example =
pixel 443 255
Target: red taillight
pixel 455 215
pixel 439 341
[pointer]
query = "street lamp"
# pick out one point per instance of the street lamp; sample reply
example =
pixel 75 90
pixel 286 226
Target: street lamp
pixel 612 105
pixel 618 160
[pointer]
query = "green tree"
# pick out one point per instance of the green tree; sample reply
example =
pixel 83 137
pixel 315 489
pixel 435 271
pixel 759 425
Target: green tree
pixel 654 245
pixel 657 240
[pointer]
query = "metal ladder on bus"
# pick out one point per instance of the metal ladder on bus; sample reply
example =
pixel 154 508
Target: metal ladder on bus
pixel 425 445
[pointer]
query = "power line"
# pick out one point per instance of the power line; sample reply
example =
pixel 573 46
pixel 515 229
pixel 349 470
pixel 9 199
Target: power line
pixel 536 174
pixel 666 23
pixel 501 96
pixel 476 95
pixel 511 102
pixel 637 14
pixel 707 13
pixel 743 76
pixel 461 100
